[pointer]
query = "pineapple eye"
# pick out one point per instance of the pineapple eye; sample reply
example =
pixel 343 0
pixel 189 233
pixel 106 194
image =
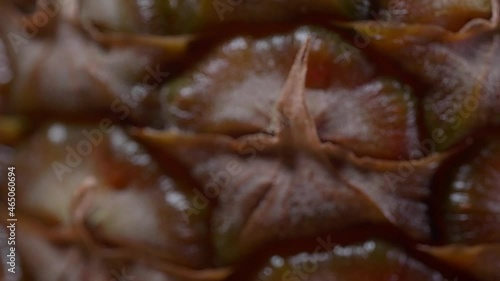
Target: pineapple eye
pixel 352 105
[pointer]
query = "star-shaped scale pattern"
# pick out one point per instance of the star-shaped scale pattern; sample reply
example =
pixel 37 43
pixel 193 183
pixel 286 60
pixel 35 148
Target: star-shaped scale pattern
pixel 289 184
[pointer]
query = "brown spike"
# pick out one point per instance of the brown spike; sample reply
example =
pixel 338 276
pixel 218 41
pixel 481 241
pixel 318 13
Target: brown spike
pixel 293 121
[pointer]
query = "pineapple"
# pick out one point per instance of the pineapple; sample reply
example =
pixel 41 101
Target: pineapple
pixel 250 140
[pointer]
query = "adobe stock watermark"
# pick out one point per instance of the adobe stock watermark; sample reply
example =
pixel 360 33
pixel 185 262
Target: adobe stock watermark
pixel 361 41
pixel 439 135
pixel 121 276
pixel 325 249
pixel 304 270
pixel 224 6
pixel 223 178
pixel 121 107
pixel 381 17
pixel 395 9
pixel 307 268
pixel 33 23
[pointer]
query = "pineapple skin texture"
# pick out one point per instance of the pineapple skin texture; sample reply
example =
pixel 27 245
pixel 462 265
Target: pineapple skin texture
pixel 250 140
